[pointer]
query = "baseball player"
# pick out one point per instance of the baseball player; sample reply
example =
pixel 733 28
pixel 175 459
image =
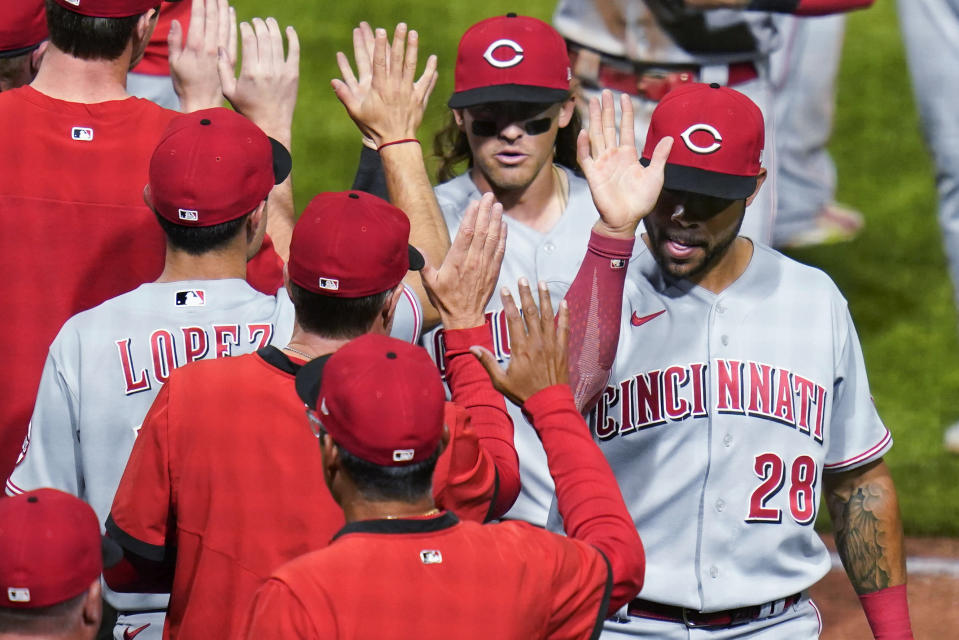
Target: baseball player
pixel 509 580
pixel 645 48
pixel 220 529
pixel 50 564
pixel 209 180
pixel 77 153
pixel 931 51
pixel 23 35
pixel 514 120
pixel 737 395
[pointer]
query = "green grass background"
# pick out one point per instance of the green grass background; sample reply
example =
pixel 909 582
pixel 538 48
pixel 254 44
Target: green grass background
pixel 894 274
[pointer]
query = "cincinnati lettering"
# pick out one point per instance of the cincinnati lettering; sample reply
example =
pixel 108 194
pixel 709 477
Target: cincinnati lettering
pixel 197 343
pixel 744 388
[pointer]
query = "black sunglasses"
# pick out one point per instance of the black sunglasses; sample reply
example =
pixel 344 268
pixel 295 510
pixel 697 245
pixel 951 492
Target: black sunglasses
pixel 489 128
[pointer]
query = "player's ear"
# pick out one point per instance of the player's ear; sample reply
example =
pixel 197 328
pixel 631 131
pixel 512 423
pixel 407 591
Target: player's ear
pixel 760 178
pixel 148 197
pixel 92 610
pixel 36 57
pixel 566 111
pixel 458 119
pixel 385 320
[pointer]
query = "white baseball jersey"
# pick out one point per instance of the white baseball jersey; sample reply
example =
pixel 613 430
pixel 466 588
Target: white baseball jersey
pixel 727 35
pixel 107 365
pixel 554 257
pixel 719 418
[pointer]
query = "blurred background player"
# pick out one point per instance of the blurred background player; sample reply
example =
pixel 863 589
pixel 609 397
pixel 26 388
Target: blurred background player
pixel 930 29
pixel 644 48
pixel 263 502
pixel 50 564
pixel 210 178
pixel 23 35
pixel 525 582
pixel 151 78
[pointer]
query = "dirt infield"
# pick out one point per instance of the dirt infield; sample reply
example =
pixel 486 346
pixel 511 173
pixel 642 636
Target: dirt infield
pixel 933 594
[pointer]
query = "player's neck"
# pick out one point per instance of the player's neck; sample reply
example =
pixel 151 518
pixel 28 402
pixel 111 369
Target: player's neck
pixel 729 267
pixel 311 344
pixel 358 508
pixel 212 265
pixel 65 77
pixel 539 205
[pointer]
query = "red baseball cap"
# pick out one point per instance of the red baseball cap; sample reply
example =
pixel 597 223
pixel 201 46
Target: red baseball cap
pixel 718 137
pixel 511 59
pixel 379 398
pixel 23 25
pixel 213 166
pixel 49 548
pixel 109 8
pixel 351 244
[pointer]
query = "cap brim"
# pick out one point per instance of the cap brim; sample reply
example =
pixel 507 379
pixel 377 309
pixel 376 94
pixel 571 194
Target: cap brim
pixel 12 53
pixel 308 380
pixel 282 161
pixel 417 261
pixel 709 183
pixel 507 93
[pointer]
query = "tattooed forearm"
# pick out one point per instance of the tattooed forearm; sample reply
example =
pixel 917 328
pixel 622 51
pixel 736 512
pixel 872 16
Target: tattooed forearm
pixel 865 515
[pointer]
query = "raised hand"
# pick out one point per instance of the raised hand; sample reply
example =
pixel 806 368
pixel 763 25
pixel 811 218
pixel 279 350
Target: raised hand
pixel 266 90
pixel 461 287
pixel 384 98
pixel 623 190
pixel 538 346
pixel 193 65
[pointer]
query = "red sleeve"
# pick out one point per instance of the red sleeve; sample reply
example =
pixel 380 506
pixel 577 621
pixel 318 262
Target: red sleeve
pixel 264 271
pixel 595 302
pixel 809 7
pixel 140 518
pixel 586 491
pixel 494 462
pixel 277 614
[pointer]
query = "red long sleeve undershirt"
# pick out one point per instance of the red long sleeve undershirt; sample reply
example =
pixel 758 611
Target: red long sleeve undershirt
pixel 586 491
pixel 595 303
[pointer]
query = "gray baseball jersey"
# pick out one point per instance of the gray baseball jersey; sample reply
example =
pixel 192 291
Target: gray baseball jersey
pixel 107 364
pixel 721 413
pixel 553 257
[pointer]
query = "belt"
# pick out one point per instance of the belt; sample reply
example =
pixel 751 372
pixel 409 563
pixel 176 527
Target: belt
pixel 647 81
pixel 692 618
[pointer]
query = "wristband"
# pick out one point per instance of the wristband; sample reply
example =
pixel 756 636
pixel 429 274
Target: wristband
pixel 404 140
pixel 887 612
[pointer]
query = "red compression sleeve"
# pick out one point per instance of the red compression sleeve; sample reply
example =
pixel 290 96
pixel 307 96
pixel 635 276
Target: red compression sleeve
pixel 586 491
pixel 809 7
pixel 595 301
pixel 471 388
pixel 888 613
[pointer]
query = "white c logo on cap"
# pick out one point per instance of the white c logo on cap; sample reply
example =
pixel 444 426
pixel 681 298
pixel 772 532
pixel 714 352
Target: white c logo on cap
pixel 503 64
pixel 711 130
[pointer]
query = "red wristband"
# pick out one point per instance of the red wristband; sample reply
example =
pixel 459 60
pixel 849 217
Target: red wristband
pixel 887 612
pixel 404 140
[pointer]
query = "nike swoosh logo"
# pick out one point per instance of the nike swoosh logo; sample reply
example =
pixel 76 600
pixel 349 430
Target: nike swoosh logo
pixel 638 321
pixel 130 635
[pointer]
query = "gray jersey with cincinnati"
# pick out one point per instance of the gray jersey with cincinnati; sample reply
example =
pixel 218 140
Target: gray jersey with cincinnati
pixel 106 366
pixel 663 31
pixel 720 416
pixel 553 257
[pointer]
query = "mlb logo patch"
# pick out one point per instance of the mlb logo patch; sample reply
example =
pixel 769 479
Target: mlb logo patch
pixel 190 215
pixel 431 556
pixel 403 455
pixel 18 594
pixel 83 134
pixel 330 284
pixel 75 3
pixel 617 263
pixel 191 298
